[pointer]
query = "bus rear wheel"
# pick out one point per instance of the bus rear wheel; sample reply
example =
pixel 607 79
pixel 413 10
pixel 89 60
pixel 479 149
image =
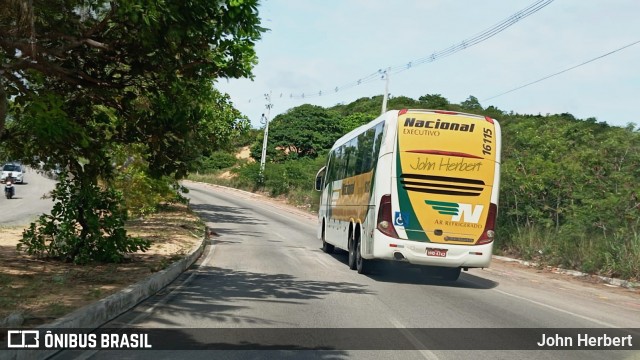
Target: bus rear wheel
pixel 326 247
pixel 352 254
pixel 362 265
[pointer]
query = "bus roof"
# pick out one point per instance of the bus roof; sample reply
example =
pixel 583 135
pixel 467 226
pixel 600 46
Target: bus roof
pixel 348 136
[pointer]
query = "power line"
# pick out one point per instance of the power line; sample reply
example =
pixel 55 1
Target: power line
pixel 482 36
pixel 464 44
pixel 563 71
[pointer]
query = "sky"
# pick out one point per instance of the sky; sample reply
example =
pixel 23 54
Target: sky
pixel 315 46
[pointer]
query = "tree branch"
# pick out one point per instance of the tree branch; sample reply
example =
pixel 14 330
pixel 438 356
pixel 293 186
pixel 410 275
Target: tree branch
pixel 16 80
pixel 73 42
pixel 102 24
pixel 52 69
pixel 4 105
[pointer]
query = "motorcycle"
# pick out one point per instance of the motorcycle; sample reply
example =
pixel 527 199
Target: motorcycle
pixel 9 191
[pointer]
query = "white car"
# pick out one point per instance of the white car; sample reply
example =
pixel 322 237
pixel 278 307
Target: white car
pixel 16 170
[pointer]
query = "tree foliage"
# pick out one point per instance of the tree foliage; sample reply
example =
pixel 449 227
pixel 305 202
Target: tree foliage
pixel 434 101
pixel 365 105
pixel 87 77
pixel 471 104
pixel 304 131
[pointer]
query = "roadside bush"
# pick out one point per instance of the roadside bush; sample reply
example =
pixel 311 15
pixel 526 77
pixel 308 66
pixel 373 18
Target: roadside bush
pixel 248 177
pixel 86 224
pixel 141 193
pixel 293 179
pixel 216 161
pixel 283 178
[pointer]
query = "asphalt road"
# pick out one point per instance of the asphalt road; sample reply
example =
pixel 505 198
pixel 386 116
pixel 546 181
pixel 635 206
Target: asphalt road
pixel 265 272
pixel 28 202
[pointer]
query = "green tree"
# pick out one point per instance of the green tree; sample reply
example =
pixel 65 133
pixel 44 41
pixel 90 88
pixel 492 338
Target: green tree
pixel 471 104
pixel 305 130
pixel 88 76
pixel 352 121
pixel 493 112
pixel 434 101
pixel 371 106
pixel 402 102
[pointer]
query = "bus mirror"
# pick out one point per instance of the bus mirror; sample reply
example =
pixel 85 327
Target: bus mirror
pixel 320 179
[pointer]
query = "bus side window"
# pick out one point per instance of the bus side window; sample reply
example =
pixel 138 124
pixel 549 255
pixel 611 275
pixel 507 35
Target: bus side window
pixel 378 142
pixel 352 154
pixel 340 164
pixel 331 168
pixel 366 150
pixel 320 178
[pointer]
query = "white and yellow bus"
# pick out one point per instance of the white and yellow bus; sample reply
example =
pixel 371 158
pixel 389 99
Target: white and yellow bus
pixel 419 186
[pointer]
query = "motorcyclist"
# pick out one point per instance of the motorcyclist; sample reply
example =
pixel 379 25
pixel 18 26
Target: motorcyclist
pixel 9 191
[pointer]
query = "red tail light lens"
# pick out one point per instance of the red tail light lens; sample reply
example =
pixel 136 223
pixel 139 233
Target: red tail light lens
pixel 385 220
pixel 489 234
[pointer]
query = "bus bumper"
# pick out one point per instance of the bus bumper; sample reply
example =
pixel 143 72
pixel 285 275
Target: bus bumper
pixel 432 254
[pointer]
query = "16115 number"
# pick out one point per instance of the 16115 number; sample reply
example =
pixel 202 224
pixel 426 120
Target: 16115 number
pixel 487 141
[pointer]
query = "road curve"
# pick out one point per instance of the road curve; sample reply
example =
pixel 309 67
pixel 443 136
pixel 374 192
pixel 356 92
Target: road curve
pixel 31 199
pixel 265 270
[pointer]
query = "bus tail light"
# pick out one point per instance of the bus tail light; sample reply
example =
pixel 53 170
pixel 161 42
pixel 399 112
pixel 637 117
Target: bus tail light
pixel 489 234
pixel 385 220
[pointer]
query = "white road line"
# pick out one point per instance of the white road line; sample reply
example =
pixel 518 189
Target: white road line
pixel 418 345
pixel 278 235
pixel 558 309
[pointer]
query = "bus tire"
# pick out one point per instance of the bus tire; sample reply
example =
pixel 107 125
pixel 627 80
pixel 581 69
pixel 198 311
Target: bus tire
pixel 450 274
pixel 362 265
pixel 352 253
pixel 326 247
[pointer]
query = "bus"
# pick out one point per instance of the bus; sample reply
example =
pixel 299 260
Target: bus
pixel 417 186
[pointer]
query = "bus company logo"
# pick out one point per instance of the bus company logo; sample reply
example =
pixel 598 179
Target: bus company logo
pixel 458 211
pixel 438 125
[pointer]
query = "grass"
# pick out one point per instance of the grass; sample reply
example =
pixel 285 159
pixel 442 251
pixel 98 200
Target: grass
pixel 301 198
pixel 611 256
pixel 42 290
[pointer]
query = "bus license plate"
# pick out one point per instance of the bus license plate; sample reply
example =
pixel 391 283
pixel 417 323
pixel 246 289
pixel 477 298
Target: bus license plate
pixel 437 252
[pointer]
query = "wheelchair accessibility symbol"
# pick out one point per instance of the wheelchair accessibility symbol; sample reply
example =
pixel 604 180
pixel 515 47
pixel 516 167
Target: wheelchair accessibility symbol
pixel 400 219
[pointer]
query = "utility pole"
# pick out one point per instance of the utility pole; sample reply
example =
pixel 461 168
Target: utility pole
pixel 265 118
pixel 386 90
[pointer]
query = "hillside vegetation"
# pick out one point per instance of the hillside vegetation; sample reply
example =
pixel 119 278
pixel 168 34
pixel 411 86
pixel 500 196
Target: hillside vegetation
pixel 569 191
